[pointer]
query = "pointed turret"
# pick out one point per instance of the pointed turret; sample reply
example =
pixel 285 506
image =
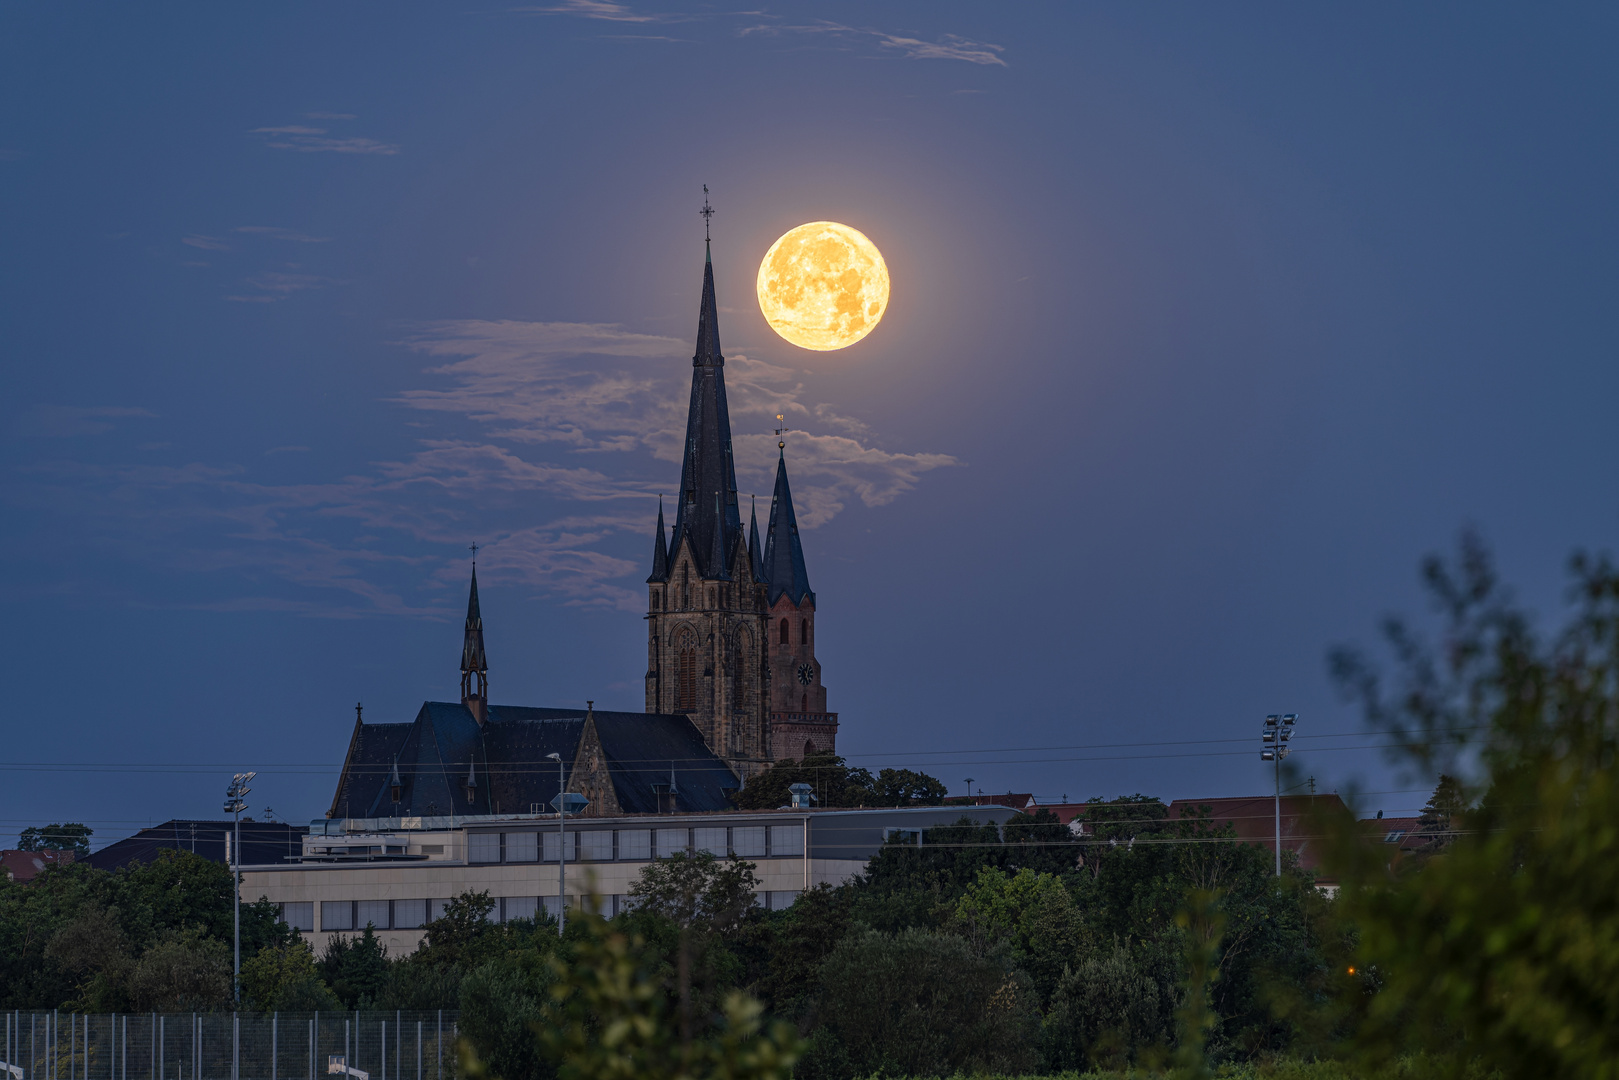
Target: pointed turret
pixel 474 667
pixel 755 552
pixel 707 470
pixel 660 552
pixel 784 556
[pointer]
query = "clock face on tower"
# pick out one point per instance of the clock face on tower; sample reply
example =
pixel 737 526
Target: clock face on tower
pixel 806 674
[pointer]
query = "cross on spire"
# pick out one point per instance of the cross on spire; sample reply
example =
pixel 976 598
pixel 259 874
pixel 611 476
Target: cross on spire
pixel 707 211
pixel 474 549
pixel 781 432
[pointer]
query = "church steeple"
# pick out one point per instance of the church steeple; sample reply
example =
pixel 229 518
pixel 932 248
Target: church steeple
pixel 660 552
pixel 474 667
pixel 784 555
pixel 707 473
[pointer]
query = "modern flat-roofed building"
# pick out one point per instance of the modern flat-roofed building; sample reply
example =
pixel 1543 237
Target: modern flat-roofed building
pixel 396 874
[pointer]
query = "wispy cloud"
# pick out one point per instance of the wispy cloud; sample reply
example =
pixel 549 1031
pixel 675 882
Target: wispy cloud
pixel 547 443
pixel 947 47
pixel 206 243
pixel 66 421
pixel 605 10
pixel 276 285
pixel 590 388
pixel 275 233
pixel 314 140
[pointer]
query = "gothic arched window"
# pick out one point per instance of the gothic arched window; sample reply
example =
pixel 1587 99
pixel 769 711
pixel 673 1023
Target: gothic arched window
pixel 740 698
pixel 784 631
pixel 803 631
pixel 686 670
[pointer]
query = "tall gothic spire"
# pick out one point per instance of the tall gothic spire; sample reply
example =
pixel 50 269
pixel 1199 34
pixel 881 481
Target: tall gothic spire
pixel 784 555
pixel 474 667
pixel 660 551
pixel 707 474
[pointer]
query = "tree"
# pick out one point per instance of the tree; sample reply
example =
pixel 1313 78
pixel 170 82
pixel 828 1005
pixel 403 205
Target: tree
pixel 609 1019
pixel 94 949
pixel 703 898
pixel 356 968
pixel 184 972
pixel 923 1003
pixel 1105 1010
pixel 902 787
pixel 284 978
pixel 1502 955
pixel 835 782
pixel 68 836
pixel 1443 812
pixel 502 1003
pixel 1030 915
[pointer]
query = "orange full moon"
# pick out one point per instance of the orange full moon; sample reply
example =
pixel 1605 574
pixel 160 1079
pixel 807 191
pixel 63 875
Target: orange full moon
pixel 823 286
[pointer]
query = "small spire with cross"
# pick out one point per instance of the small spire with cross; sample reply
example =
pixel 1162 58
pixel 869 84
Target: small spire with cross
pixel 707 211
pixel 474 549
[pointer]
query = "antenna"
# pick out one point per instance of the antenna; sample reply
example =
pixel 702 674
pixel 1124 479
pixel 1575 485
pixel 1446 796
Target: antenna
pixel 707 211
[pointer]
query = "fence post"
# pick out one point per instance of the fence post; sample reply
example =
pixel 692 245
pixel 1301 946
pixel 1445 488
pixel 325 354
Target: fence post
pixel 382 1046
pixel 438 1044
pixel 162 1031
pixel 275 1021
pixel 418 1050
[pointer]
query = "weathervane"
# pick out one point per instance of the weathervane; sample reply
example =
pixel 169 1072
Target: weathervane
pixel 707 211
pixel 474 549
pixel 781 432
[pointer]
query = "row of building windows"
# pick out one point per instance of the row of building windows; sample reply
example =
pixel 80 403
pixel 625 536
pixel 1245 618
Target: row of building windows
pixel 337 915
pixel 607 845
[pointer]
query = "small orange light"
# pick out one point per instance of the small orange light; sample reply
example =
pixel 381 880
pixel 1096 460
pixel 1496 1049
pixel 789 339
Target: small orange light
pixel 1351 971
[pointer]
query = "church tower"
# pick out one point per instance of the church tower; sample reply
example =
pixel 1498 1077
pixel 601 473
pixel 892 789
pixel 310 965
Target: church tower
pixel 799 722
pixel 474 668
pixel 706 606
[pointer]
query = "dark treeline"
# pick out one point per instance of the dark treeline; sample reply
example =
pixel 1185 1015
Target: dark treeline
pixel 982 949
pixel 1490 948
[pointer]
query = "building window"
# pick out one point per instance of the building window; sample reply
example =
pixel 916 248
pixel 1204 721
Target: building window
pixel 596 845
pixel 635 844
pixel 786 840
pixel 686 685
pixel 803 631
pixel 553 846
pixel 373 913
pixel 657 601
pixel 518 907
pixel 337 915
pixel 784 631
pixel 483 847
pixel 521 847
pixel 712 841
pixel 410 914
pixel 748 841
pixel 299 915
pixel 671 841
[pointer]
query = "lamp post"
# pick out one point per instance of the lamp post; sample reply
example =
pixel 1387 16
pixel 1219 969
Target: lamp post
pixel 234 805
pixel 1274 738
pixel 562 847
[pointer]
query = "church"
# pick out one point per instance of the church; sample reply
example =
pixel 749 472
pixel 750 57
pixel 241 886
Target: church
pixel 732 682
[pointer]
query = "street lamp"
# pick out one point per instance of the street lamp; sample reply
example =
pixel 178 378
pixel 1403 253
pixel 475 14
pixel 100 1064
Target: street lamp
pixel 564 802
pixel 234 804
pixel 1274 738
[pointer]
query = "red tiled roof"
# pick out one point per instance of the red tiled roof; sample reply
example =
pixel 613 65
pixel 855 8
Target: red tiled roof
pixel 27 865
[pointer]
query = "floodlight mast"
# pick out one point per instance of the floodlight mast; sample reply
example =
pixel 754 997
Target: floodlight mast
pixel 234 804
pixel 1278 731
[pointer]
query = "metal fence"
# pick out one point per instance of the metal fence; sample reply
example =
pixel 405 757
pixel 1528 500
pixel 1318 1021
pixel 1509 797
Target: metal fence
pixel 229 1046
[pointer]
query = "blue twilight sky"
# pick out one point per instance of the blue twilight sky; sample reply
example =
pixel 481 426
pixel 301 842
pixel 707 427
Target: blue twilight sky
pixel 1207 322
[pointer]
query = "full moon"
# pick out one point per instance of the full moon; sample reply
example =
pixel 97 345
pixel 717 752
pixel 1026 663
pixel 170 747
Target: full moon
pixel 823 286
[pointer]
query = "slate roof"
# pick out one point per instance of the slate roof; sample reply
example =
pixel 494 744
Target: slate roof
pixel 264 843
pixel 707 504
pixel 436 752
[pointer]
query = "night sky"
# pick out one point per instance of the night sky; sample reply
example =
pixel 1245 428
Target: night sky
pixel 1208 321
